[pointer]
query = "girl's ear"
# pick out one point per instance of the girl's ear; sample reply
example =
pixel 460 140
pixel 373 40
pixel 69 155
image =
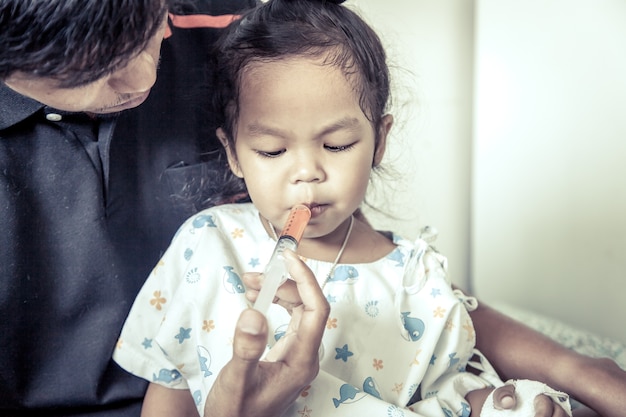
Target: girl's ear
pixel 381 141
pixel 230 153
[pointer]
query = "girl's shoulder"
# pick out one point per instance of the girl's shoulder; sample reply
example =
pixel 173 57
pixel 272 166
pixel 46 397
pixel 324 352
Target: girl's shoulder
pixel 421 260
pixel 418 247
pixel 221 222
pixel 244 214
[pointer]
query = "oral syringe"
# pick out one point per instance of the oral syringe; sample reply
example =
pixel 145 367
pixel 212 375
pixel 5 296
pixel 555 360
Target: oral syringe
pixel 276 270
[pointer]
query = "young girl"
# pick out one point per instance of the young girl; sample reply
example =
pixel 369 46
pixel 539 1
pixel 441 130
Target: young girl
pixel 304 96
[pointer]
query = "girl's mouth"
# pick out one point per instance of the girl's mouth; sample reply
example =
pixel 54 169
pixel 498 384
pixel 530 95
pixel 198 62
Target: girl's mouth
pixel 317 209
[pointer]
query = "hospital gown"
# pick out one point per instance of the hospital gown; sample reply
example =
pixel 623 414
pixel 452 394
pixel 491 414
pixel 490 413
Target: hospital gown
pixel 397 341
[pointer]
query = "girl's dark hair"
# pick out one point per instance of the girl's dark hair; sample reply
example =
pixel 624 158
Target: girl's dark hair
pixel 74 41
pixel 280 29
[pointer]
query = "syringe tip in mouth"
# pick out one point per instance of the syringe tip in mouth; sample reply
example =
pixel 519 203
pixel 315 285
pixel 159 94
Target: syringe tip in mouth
pixel 299 217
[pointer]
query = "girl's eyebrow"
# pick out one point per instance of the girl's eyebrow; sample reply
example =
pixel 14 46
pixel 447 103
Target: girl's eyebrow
pixel 345 123
pixel 259 129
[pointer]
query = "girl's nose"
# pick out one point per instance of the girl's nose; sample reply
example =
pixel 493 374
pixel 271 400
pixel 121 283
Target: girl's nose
pixel 137 77
pixel 307 169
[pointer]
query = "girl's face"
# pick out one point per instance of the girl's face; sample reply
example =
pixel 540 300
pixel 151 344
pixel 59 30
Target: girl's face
pixel 301 137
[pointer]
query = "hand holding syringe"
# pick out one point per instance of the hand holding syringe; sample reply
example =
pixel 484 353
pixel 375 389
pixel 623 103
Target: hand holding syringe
pixel 276 270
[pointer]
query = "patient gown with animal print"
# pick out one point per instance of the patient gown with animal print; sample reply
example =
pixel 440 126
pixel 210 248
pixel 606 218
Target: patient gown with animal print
pixel 397 341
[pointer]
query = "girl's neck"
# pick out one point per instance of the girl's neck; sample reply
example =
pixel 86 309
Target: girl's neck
pixel 364 244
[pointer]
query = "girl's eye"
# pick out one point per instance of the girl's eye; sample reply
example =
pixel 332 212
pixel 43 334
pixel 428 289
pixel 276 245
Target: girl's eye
pixel 270 154
pixel 339 148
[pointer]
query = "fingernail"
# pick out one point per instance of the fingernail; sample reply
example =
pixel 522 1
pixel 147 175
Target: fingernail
pixel 251 322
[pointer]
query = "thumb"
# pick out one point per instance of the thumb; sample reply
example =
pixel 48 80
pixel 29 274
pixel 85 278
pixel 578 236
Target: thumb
pixel 250 339
pixel 239 373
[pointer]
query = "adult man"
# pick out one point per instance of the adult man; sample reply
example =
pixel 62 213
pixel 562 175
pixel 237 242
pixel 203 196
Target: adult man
pixel 85 212
pixel 90 198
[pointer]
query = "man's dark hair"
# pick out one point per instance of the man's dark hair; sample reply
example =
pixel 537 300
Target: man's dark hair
pixel 74 41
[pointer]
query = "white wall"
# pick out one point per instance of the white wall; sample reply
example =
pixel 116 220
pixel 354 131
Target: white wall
pixel 430 50
pixel 542 190
pixel 549 201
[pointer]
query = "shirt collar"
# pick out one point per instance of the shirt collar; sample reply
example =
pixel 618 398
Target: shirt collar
pixel 15 107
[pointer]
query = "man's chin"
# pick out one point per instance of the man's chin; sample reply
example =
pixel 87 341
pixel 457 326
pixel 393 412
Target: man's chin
pixel 130 104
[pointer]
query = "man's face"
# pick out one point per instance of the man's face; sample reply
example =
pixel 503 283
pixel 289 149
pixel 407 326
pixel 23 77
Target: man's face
pixel 123 89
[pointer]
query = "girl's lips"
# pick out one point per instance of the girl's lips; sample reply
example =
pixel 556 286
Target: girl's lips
pixel 317 209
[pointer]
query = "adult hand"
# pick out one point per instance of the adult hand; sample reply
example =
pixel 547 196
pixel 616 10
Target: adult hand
pixel 250 387
pixel 287 295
